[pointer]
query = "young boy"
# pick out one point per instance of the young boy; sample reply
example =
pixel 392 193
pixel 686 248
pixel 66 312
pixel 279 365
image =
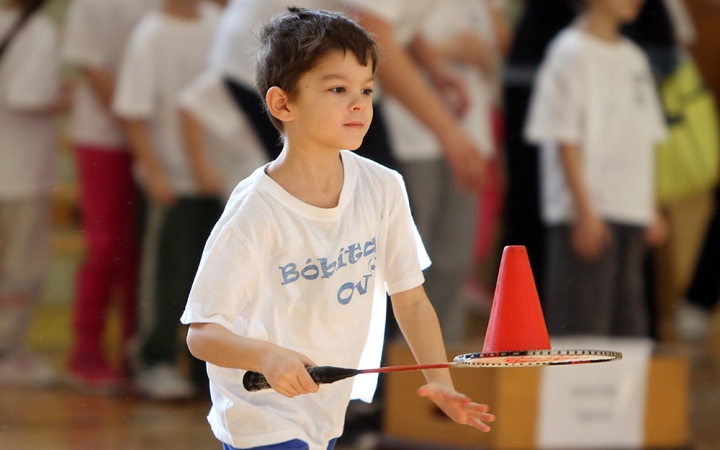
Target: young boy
pixel 165 52
pixel 596 113
pixel 296 270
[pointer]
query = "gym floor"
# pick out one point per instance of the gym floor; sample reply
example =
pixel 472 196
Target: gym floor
pixel 63 419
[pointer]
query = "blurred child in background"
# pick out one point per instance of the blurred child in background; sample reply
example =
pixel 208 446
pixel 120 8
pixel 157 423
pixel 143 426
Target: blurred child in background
pixel 222 146
pixel 596 113
pixel 473 37
pixel 96 33
pixel 165 52
pixel 30 96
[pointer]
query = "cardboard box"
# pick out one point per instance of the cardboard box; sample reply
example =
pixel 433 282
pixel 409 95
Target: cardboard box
pixel 512 393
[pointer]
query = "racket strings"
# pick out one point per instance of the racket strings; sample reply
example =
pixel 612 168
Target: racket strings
pixel 535 358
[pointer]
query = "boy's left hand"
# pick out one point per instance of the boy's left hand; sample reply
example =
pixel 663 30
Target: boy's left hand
pixel 458 407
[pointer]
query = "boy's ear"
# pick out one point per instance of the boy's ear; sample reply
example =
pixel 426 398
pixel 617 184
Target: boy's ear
pixel 278 104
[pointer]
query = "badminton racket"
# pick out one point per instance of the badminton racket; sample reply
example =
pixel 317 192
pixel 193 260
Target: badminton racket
pixel 254 381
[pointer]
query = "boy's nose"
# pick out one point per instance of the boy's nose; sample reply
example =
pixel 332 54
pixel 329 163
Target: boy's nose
pixel 358 104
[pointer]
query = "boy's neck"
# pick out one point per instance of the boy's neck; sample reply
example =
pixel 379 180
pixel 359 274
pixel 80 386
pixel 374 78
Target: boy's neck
pixel 315 178
pixel 183 9
pixel 600 25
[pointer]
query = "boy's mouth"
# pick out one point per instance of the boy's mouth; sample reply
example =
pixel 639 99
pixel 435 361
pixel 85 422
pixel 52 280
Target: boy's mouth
pixel 354 124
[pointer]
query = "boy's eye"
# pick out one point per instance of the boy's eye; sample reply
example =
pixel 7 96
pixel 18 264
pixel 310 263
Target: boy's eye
pixel 337 89
pixel 367 91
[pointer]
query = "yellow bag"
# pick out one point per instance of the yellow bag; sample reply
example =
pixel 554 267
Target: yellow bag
pixel 687 162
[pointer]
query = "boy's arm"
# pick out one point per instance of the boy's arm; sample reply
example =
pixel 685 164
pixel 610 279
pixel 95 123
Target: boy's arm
pixel 590 234
pixel 400 77
pixel 206 177
pixel 157 185
pixel 284 369
pixel 102 84
pixel 453 89
pixel 420 326
pixel 61 104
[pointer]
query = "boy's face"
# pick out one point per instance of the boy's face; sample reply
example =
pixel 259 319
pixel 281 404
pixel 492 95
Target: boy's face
pixel 333 106
pixel 623 11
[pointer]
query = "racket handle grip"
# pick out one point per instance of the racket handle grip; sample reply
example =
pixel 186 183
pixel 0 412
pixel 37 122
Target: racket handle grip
pixel 254 381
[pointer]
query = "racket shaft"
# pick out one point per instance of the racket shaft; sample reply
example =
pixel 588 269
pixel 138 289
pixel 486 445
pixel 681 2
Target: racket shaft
pixel 389 369
pixel 254 381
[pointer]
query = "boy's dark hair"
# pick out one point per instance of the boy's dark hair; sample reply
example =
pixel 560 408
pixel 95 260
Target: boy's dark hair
pixel 293 42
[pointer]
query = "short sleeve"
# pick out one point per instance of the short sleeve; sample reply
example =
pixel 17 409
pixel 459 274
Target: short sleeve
pixel 556 107
pixel 84 40
pixel 33 78
pixel 226 280
pixel 406 257
pixel 136 86
pixel 207 99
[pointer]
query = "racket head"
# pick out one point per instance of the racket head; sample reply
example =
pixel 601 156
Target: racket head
pixel 530 358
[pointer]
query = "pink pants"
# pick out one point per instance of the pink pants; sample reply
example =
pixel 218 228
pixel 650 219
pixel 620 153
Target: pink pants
pixel 108 219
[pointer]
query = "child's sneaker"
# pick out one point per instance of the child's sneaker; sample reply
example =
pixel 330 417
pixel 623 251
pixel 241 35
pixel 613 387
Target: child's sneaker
pixel 25 369
pixel 90 373
pixel 164 382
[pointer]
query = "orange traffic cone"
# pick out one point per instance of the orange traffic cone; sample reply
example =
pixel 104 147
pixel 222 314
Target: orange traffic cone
pixel 516 318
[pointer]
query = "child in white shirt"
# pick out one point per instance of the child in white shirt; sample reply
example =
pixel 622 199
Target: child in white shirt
pixel 596 113
pixel 297 270
pixel 165 52
pixel 95 35
pixel 30 95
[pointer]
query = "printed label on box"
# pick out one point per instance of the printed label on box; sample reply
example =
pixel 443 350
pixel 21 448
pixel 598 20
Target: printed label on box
pixel 595 405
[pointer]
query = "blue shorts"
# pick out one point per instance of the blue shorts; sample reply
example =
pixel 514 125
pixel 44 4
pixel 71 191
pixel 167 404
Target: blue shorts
pixel 295 444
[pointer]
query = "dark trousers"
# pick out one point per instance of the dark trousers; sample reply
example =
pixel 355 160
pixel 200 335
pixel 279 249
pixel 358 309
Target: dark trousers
pixel 704 289
pixel 175 237
pixel 604 296
pixel 295 444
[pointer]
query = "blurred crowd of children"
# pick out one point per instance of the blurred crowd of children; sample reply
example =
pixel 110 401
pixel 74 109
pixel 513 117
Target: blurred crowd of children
pixel 551 124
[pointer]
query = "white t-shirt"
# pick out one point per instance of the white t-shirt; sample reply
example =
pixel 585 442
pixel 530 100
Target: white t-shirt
pixel 95 35
pixel 310 279
pixel 163 55
pixel 411 140
pixel 231 141
pixel 235 45
pixel 29 81
pixel 406 16
pixel 601 97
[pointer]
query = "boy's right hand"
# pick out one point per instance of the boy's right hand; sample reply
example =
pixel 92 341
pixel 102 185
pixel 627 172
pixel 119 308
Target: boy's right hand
pixel 590 236
pixel 286 371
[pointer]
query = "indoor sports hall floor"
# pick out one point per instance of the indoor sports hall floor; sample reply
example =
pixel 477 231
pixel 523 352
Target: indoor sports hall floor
pixel 62 419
